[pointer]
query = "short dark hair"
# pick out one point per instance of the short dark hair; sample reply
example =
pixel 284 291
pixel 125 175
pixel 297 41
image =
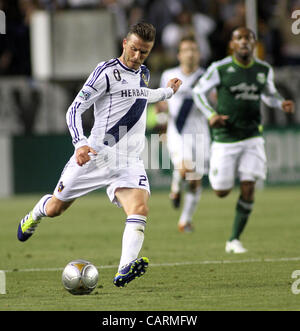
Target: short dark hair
pixel 242 27
pixel 145 31
pixel 188 37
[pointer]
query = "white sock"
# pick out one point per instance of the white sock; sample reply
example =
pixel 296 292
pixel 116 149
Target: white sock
pixel 39 210
pixel 191 200
pixel 133 238
pixel 176 181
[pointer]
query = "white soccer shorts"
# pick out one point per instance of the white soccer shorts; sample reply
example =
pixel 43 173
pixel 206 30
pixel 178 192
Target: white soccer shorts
pixel 244 159
pixel 76 181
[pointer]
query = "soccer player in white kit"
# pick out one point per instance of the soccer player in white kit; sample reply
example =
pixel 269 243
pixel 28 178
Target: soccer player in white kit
pixel 110 156
pixel 188 136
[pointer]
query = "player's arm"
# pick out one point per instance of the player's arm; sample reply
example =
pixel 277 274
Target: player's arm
pixel 90 92
pixel 207 83
pixel 160 94
pixel 272 98
pixel 288 106
pixel 162 106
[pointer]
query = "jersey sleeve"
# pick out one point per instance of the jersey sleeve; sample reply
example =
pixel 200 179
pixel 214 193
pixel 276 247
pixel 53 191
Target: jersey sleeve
pixel 159 94
pixel 209 80
pixel 95 86
pixel 270 96
pixel 162 93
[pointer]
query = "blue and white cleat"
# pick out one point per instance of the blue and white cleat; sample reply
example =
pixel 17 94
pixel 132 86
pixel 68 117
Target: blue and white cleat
pixel 130 271
pixel 27 227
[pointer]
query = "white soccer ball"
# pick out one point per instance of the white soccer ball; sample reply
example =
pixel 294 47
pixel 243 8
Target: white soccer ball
pixel 80 277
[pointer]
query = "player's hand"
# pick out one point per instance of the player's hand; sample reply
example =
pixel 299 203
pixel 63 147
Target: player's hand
pixel 82 154
pixel 217 121
pixel 288 106
pixel 174 83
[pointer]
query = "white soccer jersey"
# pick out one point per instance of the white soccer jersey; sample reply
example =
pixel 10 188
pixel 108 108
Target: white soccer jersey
pixel 120 96
pixel 185 120
pixel 184 117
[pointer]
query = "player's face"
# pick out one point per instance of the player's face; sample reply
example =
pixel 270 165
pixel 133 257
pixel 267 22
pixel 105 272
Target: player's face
pixel 135 51
pixel 243 43
pixel 188 54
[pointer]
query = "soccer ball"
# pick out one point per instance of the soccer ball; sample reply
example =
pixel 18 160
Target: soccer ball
pixel 80 277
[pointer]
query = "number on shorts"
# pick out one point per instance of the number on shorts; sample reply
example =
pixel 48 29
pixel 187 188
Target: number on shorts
pixel 143 178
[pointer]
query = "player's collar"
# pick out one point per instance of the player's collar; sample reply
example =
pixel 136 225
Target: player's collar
pixel 128 69
pixel 198 69
pixel 237 62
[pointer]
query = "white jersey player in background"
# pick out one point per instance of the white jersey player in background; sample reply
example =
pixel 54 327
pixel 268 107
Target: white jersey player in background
pixel 188 136
pixel 119 91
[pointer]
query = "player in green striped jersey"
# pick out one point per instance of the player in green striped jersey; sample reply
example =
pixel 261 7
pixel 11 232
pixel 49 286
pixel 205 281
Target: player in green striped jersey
pixel 242 81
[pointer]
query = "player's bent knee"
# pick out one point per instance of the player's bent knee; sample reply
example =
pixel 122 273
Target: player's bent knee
pixel 247 190
pixel 222 193
pixel 194 185
pixel 140 209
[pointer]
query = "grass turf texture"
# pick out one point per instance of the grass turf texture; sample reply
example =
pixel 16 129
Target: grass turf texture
pixel 186 271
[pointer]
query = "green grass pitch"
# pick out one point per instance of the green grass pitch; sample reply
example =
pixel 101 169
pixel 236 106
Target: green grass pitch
pixel 187 272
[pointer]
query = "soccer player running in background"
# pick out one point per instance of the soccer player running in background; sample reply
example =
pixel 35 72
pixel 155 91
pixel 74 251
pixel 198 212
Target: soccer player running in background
pixel 110 157
pixel 188 136
pixel 242 81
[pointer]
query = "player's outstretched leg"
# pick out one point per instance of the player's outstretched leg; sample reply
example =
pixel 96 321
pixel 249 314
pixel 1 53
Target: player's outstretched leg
pixel 132 270
pixel 130 266
pixel 191 200
pixel 243 211
pixel 29 223
pixel 175 194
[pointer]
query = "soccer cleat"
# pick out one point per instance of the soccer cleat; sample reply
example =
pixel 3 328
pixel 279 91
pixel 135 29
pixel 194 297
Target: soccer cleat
pixel 27 227
pixel 130 271
pixel 187 227
pixel 175 199
pixel 235 246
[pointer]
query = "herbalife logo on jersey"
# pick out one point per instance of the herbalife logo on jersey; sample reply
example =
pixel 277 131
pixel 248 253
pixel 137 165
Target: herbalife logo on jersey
pixel 243 91
pixel 129 93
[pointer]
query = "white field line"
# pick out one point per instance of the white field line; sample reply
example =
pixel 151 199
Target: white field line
pixel 175 264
